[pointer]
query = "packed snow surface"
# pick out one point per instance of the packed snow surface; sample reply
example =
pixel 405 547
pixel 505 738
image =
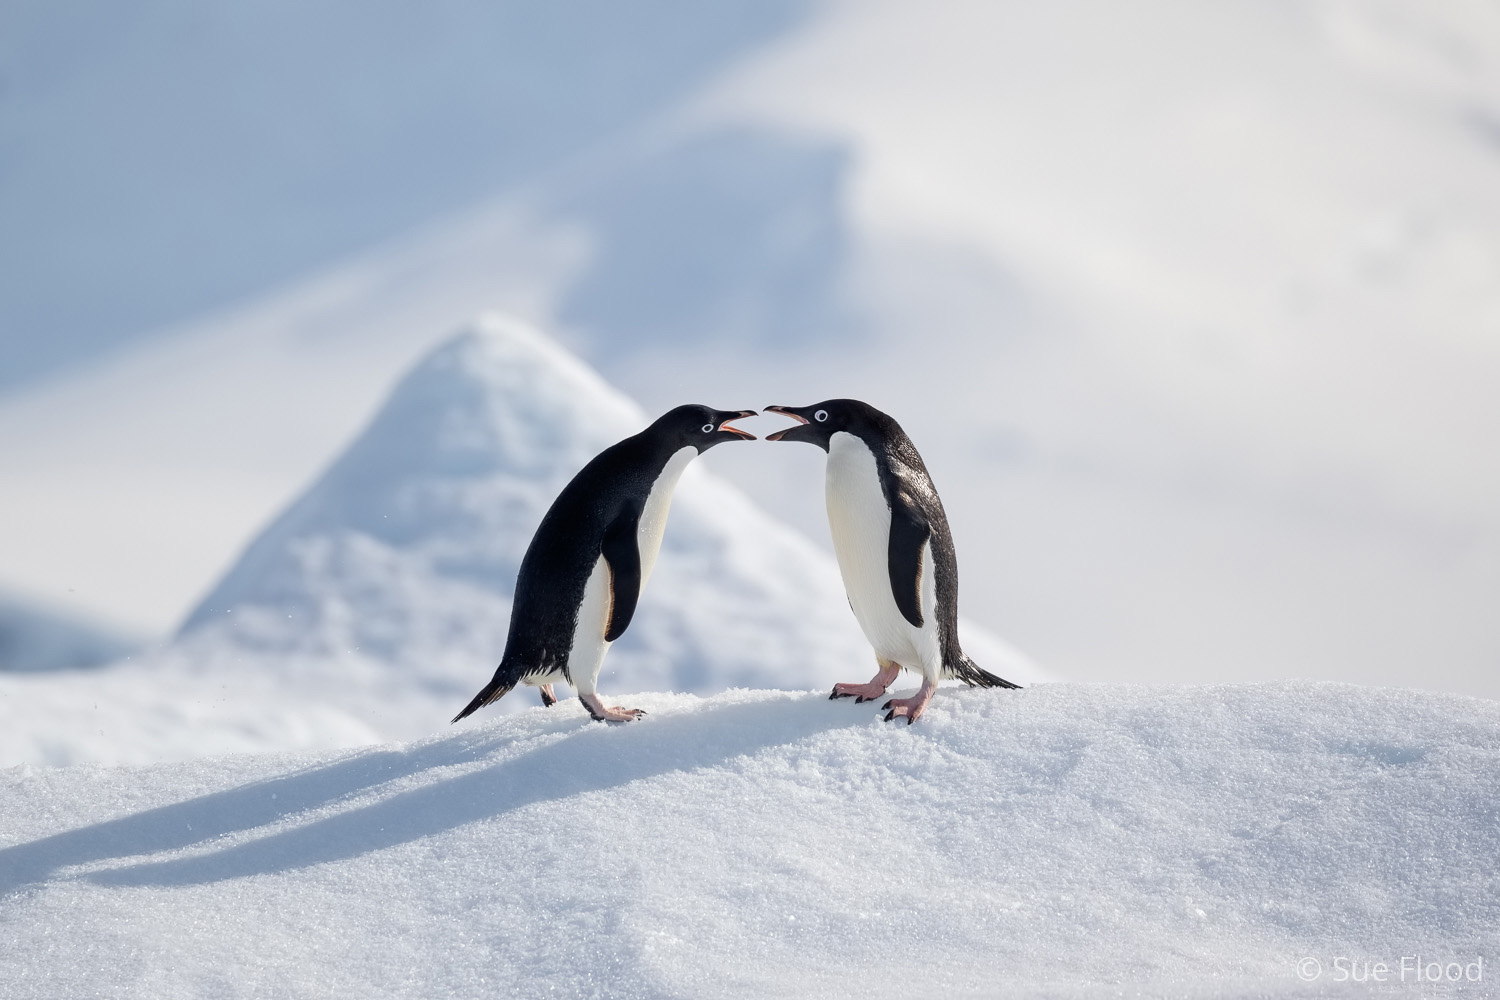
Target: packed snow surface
pixel 1061 841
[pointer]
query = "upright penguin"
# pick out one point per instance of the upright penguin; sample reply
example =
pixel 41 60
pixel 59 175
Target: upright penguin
pixel 591 555
pixel 894 550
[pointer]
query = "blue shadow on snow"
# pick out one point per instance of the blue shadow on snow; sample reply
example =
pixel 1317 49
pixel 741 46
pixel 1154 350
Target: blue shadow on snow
pixel 590 757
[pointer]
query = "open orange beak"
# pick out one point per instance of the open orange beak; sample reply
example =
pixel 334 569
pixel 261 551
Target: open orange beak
pixel 724 426
pixel 786 412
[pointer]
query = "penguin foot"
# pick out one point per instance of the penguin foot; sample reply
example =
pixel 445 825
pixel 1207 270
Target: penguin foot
pixel 600 712
pixel 874 689
pixel 549 698
pixel 618 714
pixel 859 692
pixel 913 707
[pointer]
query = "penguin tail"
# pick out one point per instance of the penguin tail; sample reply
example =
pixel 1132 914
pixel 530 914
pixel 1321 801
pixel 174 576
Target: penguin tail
pixel 974 675
pixel 493 691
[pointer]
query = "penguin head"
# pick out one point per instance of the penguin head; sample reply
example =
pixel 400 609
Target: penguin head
pixel 818 422
pixel 701 427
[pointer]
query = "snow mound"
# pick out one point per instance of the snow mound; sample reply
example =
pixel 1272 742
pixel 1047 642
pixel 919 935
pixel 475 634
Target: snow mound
pixel 386 588
pixel 34 638
pixel 1062 841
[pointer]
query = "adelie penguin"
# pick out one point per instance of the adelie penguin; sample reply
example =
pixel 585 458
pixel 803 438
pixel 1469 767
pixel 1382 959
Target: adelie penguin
pixel 894 550
pixel 593 552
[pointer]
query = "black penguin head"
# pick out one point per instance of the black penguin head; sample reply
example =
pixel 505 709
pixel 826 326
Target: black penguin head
pixel 818 422
pixel 699 426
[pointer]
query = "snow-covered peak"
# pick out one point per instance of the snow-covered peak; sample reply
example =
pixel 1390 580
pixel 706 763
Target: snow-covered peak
pixel 472 443
pixel 497 398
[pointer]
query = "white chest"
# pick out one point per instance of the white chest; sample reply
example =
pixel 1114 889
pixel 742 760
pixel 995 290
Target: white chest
pixel 653 521
pixel 860 521
pixel 858 515
pixel 589 646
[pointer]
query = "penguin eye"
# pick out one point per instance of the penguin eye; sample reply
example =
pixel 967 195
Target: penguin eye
pixel 708 428
pixel 820 416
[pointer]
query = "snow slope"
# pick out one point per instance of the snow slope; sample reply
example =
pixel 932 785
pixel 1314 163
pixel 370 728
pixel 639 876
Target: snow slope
pixel 1203 295
pixel 1064 841
pixel 162 161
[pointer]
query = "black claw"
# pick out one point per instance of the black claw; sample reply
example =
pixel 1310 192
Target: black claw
pixel 910 720
pixel 887 705
pixel 889 716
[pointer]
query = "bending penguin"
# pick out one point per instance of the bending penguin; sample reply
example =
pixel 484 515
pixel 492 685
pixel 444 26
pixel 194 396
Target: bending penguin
pixel 894 550
pixel 591 555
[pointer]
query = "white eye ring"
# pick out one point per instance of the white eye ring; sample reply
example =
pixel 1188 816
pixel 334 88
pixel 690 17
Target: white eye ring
pixel 820 416
pixel 708 428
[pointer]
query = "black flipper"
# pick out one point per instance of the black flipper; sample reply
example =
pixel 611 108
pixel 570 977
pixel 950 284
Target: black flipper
pixel 624 559
pixel 910 533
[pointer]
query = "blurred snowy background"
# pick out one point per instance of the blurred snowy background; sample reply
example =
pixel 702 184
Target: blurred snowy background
pixel 1194 311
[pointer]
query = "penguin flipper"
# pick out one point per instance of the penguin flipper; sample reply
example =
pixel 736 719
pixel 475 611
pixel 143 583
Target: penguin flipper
pixel 910 533
pixel 624 558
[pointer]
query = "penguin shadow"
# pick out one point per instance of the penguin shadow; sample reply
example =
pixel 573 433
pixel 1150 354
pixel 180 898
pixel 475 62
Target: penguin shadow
pixel 259 803
pixel 588 757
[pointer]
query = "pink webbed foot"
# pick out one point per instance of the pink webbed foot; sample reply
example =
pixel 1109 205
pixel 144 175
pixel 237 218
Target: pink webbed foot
pixel 913 707
pixel 867 692
pixel 600 712
pixel 859 692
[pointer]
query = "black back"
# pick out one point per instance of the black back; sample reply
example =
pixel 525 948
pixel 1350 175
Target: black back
pixel 596 514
